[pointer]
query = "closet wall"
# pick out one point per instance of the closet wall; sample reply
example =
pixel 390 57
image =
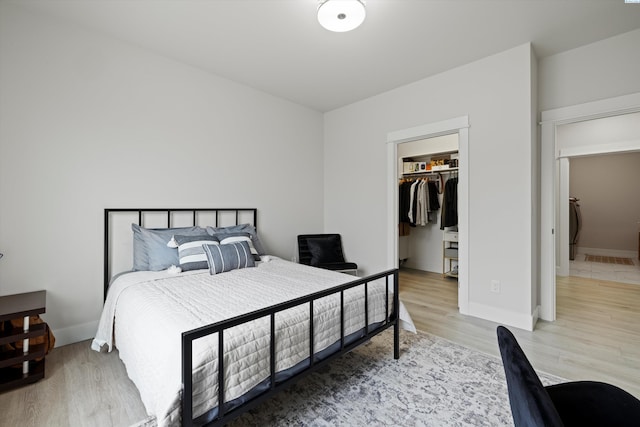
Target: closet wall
pixel 423 247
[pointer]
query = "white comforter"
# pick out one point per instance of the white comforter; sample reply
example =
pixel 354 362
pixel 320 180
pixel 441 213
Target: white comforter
pixel 146 312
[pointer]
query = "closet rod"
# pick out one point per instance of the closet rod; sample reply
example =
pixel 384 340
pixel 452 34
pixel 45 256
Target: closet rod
pixel 429 173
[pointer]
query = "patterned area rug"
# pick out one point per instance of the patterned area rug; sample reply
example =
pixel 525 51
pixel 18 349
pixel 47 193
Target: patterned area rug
pixel 608 259
pixel 434 383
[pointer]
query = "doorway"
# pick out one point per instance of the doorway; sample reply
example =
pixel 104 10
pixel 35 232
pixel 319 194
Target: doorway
pixel 554 239
pixel 457 126
pixel 619 134
pixel 606 188
pixel 420 242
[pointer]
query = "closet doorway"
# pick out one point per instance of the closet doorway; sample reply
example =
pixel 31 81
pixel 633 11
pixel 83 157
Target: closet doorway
pixel 438 136
pixel 420 242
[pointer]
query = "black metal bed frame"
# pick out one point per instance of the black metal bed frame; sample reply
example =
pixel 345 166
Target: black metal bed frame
pixel 169 212
pixel 222 416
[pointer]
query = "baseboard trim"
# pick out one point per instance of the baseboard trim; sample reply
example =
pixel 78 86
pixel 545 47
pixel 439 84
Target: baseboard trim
pixel 504 317
pixel 75 333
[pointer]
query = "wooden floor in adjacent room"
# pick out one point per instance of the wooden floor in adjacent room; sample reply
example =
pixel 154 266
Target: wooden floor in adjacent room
pixel 596 337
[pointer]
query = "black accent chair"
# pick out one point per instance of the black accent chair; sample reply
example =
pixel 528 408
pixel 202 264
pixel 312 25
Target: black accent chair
pixel 324 251
pixel 578 403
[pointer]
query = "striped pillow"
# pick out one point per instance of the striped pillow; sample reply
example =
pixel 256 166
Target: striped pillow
pixel 239 237
pixel 220 233
pixel 190 251
pixel 228 257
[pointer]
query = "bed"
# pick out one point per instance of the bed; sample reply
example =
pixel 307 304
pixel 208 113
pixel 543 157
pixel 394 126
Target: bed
pixel 274 321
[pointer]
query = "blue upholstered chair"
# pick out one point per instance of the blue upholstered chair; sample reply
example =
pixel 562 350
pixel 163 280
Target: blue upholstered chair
pixel 578 403
pixel 324 251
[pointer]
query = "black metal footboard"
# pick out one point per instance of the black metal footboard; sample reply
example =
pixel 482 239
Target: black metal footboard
pixel 219 415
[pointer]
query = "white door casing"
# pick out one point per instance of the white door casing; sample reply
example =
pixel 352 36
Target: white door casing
pixel 554 185
pixel 459 125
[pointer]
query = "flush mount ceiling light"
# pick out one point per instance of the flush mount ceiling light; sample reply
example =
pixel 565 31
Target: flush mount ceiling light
pixel 341 15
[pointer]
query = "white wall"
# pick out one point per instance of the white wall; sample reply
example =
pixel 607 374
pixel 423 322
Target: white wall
pixel 607 187
pixel 88 122
pixel 599 133
pixel 495 93
pixel 600 70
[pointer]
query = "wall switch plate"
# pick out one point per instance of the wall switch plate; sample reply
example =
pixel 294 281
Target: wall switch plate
pixel 495 286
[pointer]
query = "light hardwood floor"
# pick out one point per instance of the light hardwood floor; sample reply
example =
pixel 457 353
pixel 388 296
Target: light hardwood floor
pixel 596 337
pixel 81 388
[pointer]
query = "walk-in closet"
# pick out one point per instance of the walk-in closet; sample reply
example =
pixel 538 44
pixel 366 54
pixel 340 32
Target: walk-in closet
pixel 427 205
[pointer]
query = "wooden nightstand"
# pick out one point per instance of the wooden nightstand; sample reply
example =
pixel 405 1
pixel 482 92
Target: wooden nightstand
pixel 16 307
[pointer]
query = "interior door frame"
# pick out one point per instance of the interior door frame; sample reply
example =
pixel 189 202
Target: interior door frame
pixel 460 126
pixel 564 164
pixel 554 184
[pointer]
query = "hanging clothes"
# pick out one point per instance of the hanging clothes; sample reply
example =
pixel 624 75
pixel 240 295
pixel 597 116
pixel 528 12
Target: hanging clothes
pixel 433 202
pixel 418 204
pixel 404 195
pixel 449 213
pixel 422 208
pixel 413 204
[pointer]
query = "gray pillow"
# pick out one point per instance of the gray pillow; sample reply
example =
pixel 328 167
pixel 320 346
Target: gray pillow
pixel 245 228
pixel 150 251
pixel 228 257
pixel 191 253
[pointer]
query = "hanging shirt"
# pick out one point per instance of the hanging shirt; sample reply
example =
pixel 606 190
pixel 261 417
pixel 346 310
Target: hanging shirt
pixel 412 203
pixel 449 215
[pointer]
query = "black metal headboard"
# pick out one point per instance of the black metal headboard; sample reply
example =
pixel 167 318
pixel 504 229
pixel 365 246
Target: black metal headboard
pixel 216 213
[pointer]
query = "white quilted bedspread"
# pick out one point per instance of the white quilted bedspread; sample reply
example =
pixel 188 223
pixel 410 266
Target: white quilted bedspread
pixel 146 312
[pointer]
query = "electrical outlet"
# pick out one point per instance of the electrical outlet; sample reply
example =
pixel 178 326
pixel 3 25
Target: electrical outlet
pixel 495 286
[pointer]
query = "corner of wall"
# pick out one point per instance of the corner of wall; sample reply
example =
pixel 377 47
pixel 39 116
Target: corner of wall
pixel 75 333
pixel 535 185
pixel 505 317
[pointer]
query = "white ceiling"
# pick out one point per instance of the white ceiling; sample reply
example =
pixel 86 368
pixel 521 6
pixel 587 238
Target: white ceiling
pixel 277 46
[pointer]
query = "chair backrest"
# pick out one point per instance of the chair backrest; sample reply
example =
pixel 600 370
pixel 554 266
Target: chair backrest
pixel 304 253
pixel 530 403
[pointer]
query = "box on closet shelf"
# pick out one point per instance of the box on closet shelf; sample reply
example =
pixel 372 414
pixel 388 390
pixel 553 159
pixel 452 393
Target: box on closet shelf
pixel 416 167
pixel 443 162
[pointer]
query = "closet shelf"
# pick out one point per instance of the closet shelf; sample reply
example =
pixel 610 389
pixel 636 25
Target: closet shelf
pixel 432 172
